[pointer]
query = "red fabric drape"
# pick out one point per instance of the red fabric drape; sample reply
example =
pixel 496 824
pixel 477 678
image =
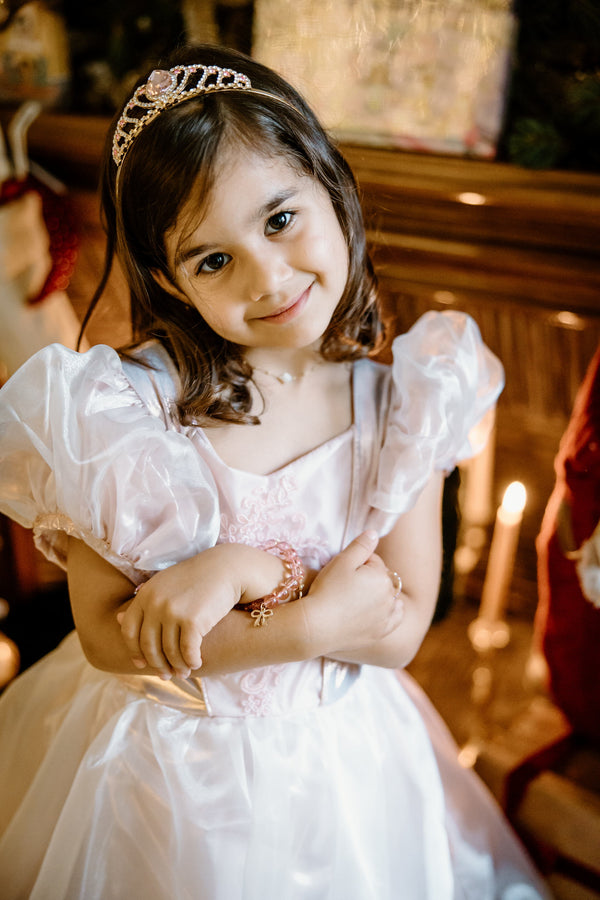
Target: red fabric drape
pixel 567 624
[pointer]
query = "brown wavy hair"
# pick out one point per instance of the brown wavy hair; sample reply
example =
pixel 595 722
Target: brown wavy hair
pixel 176 156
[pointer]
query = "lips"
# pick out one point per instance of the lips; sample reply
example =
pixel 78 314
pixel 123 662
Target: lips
pixel 286 313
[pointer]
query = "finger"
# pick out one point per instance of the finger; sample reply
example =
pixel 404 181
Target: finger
pixel 131 623
pixel 151 646
pixel 171 649
pixel 361 548
pixel 190 642
pixel 377 564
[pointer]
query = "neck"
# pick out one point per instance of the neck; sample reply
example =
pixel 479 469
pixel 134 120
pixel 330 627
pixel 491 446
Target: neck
pixel 283 364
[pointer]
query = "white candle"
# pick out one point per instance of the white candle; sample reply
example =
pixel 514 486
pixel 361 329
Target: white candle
pixel 502 553
pixel 479 471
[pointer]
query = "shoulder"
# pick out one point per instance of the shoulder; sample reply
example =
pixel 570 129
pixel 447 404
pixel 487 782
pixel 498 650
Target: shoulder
pixel 152 374
pixel 441 384
pixel 102 376
pixel 435 339
pixel 444 351
pixel 58 367
pixel 86 449
pixel 92 394
pixel 441 351
pixel 443 335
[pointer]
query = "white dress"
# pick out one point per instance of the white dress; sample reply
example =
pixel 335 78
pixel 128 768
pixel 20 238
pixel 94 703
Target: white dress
pixel 307 781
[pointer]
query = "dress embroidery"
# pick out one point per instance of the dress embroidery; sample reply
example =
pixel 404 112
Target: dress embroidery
pixel 270 512
pixel 258 686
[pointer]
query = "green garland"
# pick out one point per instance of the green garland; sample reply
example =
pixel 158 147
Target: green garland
pixel 553 113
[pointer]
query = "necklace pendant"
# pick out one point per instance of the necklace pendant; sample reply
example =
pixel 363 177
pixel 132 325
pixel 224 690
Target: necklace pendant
pixel 284 377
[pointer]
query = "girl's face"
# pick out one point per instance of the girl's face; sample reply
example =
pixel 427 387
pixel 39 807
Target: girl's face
pixel 265 263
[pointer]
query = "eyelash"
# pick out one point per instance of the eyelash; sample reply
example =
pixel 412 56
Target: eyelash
pixel 200 270
pixel 289 215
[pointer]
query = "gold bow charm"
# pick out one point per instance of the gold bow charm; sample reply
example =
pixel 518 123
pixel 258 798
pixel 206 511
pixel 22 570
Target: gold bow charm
pixel 261 616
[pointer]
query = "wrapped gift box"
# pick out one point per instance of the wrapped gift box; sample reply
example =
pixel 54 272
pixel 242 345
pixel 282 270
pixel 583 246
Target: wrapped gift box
pixel 418 74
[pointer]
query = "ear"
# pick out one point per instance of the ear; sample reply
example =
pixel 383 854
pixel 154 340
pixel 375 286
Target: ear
pixel 167 285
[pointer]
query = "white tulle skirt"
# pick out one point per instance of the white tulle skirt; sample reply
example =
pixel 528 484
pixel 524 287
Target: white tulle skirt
pixel 107 794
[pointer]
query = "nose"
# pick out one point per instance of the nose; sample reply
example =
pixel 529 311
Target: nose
pixel 268 270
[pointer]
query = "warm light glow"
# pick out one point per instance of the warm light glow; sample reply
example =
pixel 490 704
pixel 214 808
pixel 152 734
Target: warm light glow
pixel 472 198
pixel 515 497
pixel 467 756
pixel 9 660
pixel 445 297
pixel 567 319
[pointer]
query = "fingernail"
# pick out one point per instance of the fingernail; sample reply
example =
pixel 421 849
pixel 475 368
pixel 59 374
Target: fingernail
pixel 371 534
pixel 139 663
pixel 165 676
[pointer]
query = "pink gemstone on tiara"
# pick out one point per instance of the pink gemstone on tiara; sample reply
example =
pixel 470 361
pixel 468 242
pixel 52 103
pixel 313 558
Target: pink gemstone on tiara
pixel 165 89
pixel 159 82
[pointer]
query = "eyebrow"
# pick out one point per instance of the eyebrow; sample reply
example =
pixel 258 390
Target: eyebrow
pixel 262 212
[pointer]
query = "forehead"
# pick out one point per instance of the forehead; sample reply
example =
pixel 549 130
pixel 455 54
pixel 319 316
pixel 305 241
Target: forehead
pixel 244 186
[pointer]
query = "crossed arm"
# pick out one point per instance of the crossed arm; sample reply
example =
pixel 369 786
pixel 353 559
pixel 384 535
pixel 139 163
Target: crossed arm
pixel 183 619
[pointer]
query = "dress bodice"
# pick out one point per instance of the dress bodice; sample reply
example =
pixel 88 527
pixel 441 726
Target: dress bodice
pixel 288 504
pixel 91 447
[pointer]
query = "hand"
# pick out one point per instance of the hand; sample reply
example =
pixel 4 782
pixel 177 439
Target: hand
pixel 354 601
pixel 165 622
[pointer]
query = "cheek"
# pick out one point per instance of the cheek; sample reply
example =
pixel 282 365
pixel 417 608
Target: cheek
pixel 329 251
pixel 210 310
pixel 342 257
pixel 205 301
pixel 221 313
pixel 338 261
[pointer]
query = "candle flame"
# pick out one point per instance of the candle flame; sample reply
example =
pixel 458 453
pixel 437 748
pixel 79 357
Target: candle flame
pixel 515 497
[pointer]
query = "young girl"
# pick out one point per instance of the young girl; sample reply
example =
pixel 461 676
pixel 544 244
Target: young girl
pixel 248 509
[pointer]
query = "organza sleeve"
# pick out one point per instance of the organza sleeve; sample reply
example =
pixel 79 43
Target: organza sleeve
pixel 82 455
pixel 444 383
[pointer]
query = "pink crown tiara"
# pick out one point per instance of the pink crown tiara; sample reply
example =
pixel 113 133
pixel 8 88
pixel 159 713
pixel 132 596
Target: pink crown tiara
pixel 168 88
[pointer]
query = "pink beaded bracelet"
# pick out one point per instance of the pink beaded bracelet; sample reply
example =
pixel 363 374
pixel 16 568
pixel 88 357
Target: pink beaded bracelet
pixel 291 588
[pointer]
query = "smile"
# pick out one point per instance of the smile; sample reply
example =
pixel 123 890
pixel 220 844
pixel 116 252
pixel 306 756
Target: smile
pixel 291 311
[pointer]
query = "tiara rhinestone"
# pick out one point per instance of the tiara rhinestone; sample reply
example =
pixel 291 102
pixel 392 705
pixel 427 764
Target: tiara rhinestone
pixel 165 88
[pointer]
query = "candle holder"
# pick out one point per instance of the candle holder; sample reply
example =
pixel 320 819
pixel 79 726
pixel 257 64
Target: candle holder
pixel 481 697
pixel 485 635
pixel 490 632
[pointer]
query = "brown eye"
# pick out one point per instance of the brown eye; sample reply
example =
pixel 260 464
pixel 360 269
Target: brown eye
pixel 213 263
pixel 278 222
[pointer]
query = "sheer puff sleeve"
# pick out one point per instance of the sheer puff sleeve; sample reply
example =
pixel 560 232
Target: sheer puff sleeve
pixel 444 380
pixel 82 454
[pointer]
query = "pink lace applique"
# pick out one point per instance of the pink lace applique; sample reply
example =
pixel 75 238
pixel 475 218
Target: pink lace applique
pixel 259 686
pixel 271 513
